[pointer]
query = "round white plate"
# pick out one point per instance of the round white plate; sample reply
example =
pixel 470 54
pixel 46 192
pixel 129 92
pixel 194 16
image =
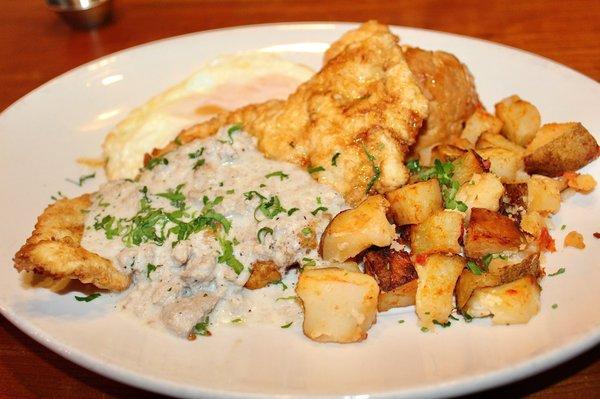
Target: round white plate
pixel 43 133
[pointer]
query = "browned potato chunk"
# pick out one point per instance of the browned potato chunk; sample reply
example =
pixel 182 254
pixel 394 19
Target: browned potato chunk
pixel 396 276
pixel 543 194
pixel 414 203
pixel 466 166
pixel 512 303
pixel 503 163
pixel 520 118
pixel 560 147
pixel 339 306
pixel 489 140
pixel 490 232
pixel 355 230
pixel 514 201
pixel 469 282
pixel 480 122
pixel 533 223
pixel 446 152
pixel 262 274
pixel 437 279
pixel 438 233
pixel 482 191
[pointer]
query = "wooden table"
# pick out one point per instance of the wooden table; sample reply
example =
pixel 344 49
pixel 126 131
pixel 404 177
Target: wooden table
pixel 36 46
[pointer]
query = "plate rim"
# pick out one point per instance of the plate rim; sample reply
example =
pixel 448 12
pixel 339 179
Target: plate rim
pixel 458 386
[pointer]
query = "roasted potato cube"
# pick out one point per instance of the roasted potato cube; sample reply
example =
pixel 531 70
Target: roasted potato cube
pixel 446 152
pixel 469 282
pixel 478 123
pixel 503 163
pixel 490 232
pixel 438 233
pixel 396 276
pixel 262 274
pixel 437 279
pixel 355 230
pixel 466 166
pixel 514 201
pixel 543 194
pixel 339 306
pixel 521 119
pixel 414 203
pixel 533 223
pixel 560 147
pixel 512 303
pixel 482 191
pixel 489 140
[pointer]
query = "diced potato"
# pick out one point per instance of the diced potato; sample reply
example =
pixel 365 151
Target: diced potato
pixel 514 201
pixel 533 223
pixel 521 119
pixel 559 148
pixel 399 297
pixel 478 123
pixel 438 233
pixel 490 232
pixel 489 140
pixel 414 203
pixel 512 303
pixel 395 274
pixel 339 306
pixel 543 194
pixel 482 191
pixel 575 240
pixel 446 152
pixel 503 163
pixel 437 279
pixel 466 166
pixel 469 282
pixel 262 274
pixel 355 230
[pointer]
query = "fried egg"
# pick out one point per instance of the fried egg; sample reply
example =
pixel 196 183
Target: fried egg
pixel 226 83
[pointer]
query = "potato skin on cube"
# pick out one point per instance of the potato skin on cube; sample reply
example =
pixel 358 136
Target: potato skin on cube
pixel 520 119
pixel 339 306
pixel 440 232
pixel 396 276
pixel 559 148
pixel 355 230
pixel 437 278
pixel 512 303
pixel 490 232
pixel 413 203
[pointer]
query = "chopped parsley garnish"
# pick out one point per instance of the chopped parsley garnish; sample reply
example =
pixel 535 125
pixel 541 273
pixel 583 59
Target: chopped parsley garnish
pixel 279 282
pixel 287 325
pixel 270 208
pixel 156 161
pixel 228 257
pixel 307 231
pixel 443 172
pixel 58 196
pixel 280 174
pixel 468 318
pixel 232 191
pixel 251 194
pixel 400 321
pixel 150 268
pixel 196 154
pixel 234 128
pixel 260 236
pixel 334 158
pixel 487 259
pixel 554 305
pixel 444 325
pixel 376 170
pixel 82 179
pixel 178 141
pixel 320 208
pixel 111 226
pixel 474 268
pixel 315 169
pixel 175 196
pixel 564 226
pixel 308 262
pixel 201 328
pixel 452 317
pixel 556 273
pixel 88 298
pixel 237 320
pixel 424 329
pixel 199 163
pixel 286 298
pixel 292 210
pixel 413 166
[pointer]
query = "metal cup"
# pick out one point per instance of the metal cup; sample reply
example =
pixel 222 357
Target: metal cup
pixel 83 14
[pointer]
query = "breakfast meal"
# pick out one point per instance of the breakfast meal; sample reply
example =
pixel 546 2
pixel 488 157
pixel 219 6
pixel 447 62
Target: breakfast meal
pixel 259 192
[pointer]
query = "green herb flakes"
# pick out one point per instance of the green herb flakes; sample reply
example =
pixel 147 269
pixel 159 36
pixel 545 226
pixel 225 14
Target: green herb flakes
pixel 88 298
pixel 82 179
pixel 474 268
pixel 154 162
pixel 376 170
pixel 315 169
pixel 201 328
pixel 280 174
pixel 334 158
pixel 260 236
pixel 556 273
pixel 227 257
pixel 149 269
pixel 287 325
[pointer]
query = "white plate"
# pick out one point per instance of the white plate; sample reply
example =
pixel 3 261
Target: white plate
pixel 43 133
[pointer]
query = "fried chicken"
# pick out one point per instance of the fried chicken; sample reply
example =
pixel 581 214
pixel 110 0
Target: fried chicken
pixel 364 105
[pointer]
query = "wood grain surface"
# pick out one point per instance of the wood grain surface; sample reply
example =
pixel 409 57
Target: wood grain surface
pixel 36 46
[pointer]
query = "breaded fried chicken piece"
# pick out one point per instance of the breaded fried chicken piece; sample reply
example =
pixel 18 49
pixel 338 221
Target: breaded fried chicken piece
pixel 356 118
